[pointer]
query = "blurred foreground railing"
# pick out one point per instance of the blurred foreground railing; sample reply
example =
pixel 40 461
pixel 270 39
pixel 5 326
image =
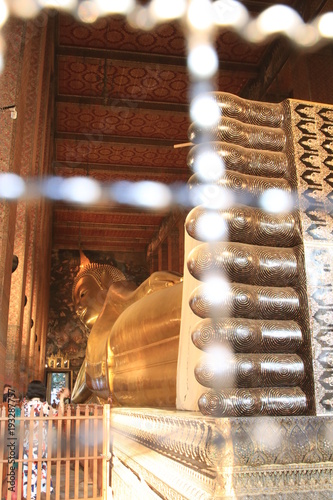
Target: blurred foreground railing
pixel 76 448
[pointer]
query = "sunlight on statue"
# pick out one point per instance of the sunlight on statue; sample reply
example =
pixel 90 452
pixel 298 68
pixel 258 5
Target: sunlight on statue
pixel 132 347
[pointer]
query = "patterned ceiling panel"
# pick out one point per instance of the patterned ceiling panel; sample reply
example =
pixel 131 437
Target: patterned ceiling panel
pixel 167 39
pixel 120 154
pixel 112 79
pixel 121 121
pixel 81 76
pixel 233 82
pixel 114 33
pixel 231 48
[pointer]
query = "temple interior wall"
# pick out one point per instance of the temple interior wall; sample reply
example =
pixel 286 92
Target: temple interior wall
pixel 25 230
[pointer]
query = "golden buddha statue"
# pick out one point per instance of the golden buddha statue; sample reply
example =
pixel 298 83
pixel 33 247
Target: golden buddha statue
pixel 132 347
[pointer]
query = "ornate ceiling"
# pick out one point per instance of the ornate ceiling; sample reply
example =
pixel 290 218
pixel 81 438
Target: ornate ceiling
pixel 121 104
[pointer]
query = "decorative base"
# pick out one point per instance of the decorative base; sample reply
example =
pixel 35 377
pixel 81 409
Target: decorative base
pixel 183 455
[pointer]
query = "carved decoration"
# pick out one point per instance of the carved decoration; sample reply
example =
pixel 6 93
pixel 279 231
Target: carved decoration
pixel 182 455
pixel 312 141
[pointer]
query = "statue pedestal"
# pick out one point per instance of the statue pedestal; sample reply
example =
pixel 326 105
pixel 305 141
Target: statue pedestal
pixel 184 455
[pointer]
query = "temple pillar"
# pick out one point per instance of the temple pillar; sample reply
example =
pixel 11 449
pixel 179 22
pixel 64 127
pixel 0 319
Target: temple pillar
pixel 16 303
pixel 32 76
pixel 173 250
pixel 163 256
pixel 14 33
pixel 181 232
pixel 153 263
pixel 166 250
pixel 31 157
pixel 27 329
pixel 42 254
pixel 6 257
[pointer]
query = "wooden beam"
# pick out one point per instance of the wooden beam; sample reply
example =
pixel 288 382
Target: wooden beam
pixel 127 169
pixel 108 227
pixel 101 246
pixel 113 139
pixel 227 66
pixel 123 103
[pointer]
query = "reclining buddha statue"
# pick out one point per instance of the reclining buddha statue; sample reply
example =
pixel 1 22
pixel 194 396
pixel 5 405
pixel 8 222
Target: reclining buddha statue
pixel 163 344
pixel 132 347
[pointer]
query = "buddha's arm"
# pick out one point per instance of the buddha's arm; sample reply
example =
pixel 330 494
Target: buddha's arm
pixel 81 392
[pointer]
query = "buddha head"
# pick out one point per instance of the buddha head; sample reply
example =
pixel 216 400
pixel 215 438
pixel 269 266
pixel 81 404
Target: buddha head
pixel 90 289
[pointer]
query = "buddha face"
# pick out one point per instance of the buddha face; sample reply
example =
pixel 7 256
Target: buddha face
pixel 88 300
